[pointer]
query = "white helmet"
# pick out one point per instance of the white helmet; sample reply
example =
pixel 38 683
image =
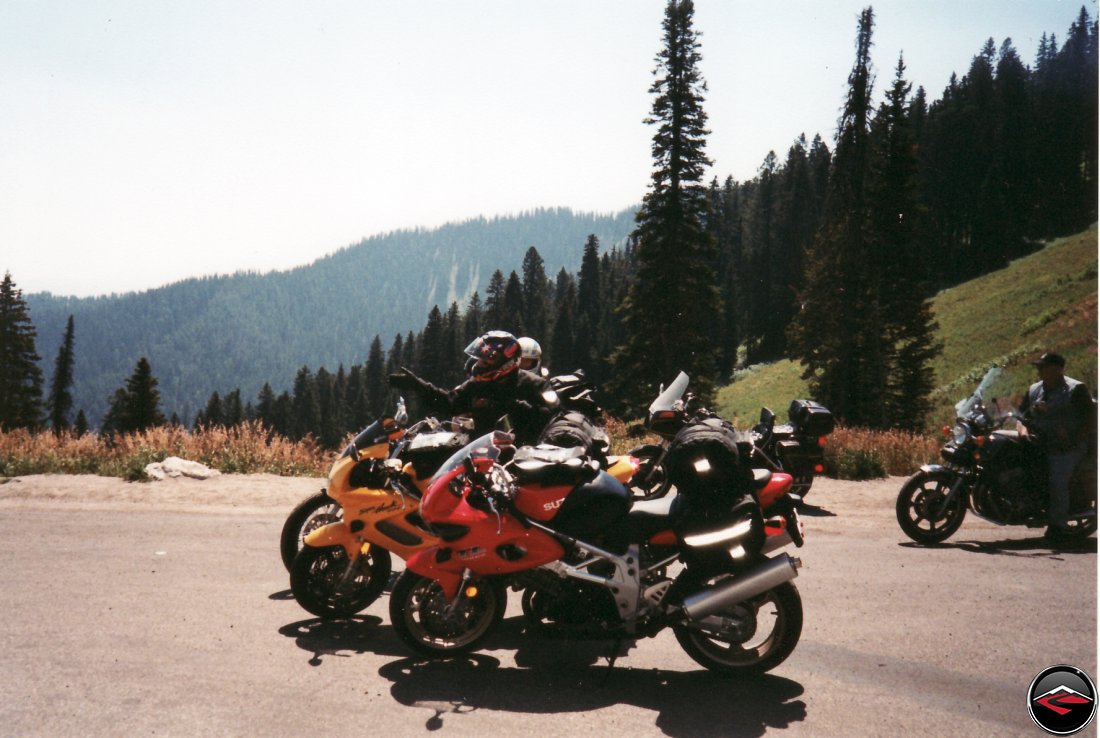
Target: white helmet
pixel 530 354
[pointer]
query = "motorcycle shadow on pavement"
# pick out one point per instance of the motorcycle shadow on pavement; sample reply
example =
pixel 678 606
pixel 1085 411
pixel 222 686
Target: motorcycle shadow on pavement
pixel 344 637
pixel 558 675
pixel 1032 547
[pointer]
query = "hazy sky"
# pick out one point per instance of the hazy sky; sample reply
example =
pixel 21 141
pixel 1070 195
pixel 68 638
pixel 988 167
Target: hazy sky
pixel 144 142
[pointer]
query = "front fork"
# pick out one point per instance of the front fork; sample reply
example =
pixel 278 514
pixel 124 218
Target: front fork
pixel 957 486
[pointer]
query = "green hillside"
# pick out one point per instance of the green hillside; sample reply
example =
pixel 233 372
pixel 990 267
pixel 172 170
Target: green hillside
pixel 1046 300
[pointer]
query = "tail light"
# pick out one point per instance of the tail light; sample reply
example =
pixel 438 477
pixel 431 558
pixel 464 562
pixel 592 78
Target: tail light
pixel 821 441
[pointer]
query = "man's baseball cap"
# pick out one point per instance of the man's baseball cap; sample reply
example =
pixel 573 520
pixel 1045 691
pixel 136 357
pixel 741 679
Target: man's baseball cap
pixel 1050 359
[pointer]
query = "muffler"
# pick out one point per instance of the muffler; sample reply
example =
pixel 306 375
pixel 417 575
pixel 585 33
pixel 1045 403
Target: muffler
pixel 758 580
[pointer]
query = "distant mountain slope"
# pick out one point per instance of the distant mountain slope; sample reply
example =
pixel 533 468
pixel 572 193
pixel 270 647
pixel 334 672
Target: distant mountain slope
pixel 219 333
pixel 1046 300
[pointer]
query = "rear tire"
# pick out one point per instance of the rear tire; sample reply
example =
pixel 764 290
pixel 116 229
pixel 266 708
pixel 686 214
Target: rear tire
pixel 310 514
pixel 322 583
pixel 767 628
pixel 422 619
pixel 918 507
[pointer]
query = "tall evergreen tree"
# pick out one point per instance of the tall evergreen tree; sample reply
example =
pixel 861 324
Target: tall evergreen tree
pixel 514 303
pixel 495 309
pixel 536 308
pixel 895 237
pixel 20 375
pixel 838 334
pixel 60 400
pixel 669 312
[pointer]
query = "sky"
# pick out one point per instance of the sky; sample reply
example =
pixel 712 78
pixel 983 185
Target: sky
pixel 145 142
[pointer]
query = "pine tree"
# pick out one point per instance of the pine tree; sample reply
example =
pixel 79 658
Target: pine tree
pixel 232 409
pixel 838 334
pixel 472 320
pixel 20 375
pixel 669 312
pixel 212 414
pixel 495 310
pixel 60 401
pixel 536 308
pixel 80 425
pixel 305 418
pixel 514 303
pixel 375 381
pixel 135 407
pixel 144 408
pixel 433 363
pixel 894 234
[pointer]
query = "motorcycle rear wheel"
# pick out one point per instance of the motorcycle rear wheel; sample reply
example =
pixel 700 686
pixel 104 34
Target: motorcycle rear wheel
pixel 918 507
pixel 769 628
pixel 308 515
pixel 429 625
pixel 324 586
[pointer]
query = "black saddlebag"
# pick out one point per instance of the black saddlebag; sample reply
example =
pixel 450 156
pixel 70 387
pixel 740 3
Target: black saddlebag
pixel 811 418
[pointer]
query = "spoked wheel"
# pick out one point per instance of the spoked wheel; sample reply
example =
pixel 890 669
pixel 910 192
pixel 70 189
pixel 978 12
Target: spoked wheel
pixel 327 583
pixel 428 624
pixel 747 638
pixel 921 509
pixel 309 515
pixel 650 481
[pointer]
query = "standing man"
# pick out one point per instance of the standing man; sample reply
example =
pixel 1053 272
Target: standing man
pixel 1061 420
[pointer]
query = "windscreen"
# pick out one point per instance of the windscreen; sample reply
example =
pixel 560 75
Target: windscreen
pixel 667 399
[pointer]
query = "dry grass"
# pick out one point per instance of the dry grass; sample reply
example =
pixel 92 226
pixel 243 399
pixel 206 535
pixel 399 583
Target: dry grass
pixel 858 453
pixel 243 449
pixel 851 453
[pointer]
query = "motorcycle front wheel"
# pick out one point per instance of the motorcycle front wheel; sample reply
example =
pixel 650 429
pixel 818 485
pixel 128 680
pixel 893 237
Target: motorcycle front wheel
pixel 309 514
pixel 327 583
pixel 747 638
pixel 920 508
pixel 433 627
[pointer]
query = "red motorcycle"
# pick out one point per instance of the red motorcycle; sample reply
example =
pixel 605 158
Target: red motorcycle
pixel 589 560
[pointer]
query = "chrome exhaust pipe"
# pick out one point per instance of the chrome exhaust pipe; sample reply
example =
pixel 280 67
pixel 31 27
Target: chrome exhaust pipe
pixel 760 579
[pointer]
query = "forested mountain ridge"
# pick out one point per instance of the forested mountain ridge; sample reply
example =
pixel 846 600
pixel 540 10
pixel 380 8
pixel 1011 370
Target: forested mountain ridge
pixel 247 329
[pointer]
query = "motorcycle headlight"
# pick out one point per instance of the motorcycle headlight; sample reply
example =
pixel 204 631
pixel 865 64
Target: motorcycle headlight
pixel 960 434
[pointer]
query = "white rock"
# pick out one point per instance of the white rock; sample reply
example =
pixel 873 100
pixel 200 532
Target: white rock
pixel 174 466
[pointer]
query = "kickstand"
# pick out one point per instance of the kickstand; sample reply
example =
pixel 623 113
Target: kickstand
pixel 612 659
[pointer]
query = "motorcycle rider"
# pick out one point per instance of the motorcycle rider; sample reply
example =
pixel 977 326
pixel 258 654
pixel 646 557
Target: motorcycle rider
pixel 530 357
pixel 496 386
pixel 1061 420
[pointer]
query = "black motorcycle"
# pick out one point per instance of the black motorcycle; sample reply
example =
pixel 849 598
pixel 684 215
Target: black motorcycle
pixel 796 447
pixel 998 474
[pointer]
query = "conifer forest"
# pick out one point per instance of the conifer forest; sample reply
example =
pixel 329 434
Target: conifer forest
pixel 827 256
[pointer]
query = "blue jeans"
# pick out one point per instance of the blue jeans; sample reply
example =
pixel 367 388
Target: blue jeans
pixel 1060 466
